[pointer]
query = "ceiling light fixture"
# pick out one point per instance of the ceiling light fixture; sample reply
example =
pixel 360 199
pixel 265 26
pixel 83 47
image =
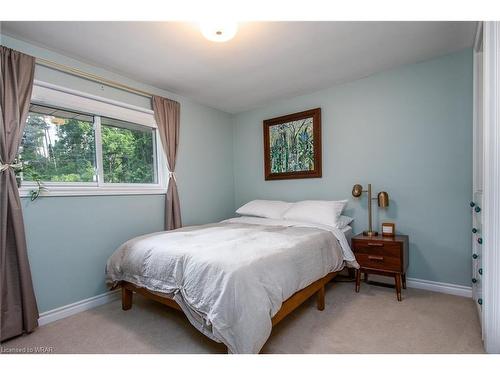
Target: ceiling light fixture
pixel 219 31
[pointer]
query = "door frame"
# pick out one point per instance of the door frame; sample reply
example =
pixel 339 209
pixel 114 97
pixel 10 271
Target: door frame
pixel 491 187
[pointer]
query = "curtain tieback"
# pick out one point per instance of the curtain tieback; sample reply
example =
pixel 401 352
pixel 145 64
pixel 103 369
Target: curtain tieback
pixel 4 167
pixel 172 175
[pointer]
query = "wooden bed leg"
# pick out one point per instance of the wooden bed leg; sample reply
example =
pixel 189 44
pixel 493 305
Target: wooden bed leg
pixel 321 298
pixel 126 298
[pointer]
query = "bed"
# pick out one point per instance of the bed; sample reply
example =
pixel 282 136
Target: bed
pixel 236 279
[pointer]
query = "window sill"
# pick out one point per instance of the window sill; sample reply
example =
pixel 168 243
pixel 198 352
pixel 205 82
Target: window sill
pixel 75 191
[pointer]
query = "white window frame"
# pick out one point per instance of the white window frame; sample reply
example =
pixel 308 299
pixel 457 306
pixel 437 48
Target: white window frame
pixel 56 96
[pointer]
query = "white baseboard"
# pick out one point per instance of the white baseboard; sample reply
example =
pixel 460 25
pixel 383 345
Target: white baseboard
pixel 101 299
pixel 74 308
pixel 434 286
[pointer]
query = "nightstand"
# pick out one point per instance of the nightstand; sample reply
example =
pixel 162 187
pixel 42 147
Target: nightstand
pixel 387 256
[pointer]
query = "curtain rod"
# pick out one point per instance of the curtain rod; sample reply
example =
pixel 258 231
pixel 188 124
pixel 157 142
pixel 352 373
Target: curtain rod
pixel 91 77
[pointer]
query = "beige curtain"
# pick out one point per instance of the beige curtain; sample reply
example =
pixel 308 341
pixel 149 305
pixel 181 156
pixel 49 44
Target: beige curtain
pixel 18 309
pixel 167 116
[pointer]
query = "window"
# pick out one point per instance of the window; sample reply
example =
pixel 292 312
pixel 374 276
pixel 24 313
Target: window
pixel 127 152
pixel 58 146
pixel 77 152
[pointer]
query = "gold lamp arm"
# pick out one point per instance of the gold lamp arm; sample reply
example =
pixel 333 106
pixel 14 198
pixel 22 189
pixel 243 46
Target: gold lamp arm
pixel 382 200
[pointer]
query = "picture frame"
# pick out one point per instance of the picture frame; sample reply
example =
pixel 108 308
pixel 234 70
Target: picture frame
pixel 292 146
pixel 388 229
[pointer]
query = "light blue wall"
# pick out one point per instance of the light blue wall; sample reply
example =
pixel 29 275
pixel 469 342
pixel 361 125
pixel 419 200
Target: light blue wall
pixel 70 238
pixel 407 131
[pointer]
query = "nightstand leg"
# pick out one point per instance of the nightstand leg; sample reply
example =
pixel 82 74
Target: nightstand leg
pixel 403 277
pixel 397 278
pixel 366 277
pixel 358 280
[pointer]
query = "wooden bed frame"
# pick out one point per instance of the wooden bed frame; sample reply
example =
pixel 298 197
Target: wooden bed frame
pixel 317 287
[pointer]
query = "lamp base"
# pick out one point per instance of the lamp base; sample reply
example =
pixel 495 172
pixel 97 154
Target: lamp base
pixel 370 233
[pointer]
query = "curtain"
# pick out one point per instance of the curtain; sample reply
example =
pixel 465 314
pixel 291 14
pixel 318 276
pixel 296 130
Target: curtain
pixel 18 309
pixel 167 116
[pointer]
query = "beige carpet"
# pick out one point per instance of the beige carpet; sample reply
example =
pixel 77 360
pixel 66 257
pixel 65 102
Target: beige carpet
pixel 369 322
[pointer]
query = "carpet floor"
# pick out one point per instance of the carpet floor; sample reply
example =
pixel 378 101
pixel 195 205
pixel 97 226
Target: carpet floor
pixel 369 322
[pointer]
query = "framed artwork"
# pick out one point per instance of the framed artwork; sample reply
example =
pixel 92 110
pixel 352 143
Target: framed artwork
pixel 388 229
pixel 292 146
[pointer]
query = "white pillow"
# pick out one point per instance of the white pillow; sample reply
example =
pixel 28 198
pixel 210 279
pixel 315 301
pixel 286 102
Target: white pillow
pixel 318 212
pixel 343 221
pixel 264 208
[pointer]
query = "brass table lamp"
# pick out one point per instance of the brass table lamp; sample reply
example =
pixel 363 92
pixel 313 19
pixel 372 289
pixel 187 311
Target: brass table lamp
pixel 383 201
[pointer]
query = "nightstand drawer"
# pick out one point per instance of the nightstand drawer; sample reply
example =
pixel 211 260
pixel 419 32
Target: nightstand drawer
pixel 382 262
pixel 382 256
pixel 377 248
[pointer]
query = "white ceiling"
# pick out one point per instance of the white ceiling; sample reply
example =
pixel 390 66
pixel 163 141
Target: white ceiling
pixel 265 61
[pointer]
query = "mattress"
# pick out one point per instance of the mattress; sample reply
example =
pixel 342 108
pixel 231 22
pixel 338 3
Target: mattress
pixel 230 278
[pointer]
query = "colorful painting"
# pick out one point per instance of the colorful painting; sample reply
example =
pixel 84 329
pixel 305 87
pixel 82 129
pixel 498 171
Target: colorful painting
pixel 292 146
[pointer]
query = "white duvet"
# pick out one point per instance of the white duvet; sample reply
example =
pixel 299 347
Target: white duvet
pixel 230 278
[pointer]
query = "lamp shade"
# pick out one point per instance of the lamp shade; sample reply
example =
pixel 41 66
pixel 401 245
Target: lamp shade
pixel 357 190
pixel 383 199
